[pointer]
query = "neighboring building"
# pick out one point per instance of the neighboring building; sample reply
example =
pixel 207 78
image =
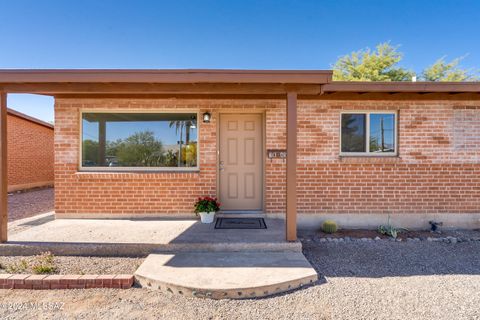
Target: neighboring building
pixel 30 152
pixel 136 143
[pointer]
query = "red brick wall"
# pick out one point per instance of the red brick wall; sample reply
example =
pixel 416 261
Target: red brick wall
pixel 135 192
pixel 437 170
pixel 30 153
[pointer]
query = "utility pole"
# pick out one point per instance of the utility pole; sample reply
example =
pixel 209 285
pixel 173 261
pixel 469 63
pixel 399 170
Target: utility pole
pixel 383 134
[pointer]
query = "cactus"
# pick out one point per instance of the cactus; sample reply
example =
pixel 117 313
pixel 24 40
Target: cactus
pixel 390 230
pixel 329 226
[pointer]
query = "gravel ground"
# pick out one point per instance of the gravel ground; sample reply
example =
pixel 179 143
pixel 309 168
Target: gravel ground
pixel 78 265
pixel 26 204
pixel 375 280
pixel 404 235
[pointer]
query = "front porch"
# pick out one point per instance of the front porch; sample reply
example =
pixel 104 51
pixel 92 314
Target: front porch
pixel 154 85
pixel 184 256
pixel 138 236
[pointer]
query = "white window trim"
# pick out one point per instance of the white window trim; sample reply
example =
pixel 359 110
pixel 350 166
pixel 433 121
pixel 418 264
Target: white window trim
pixel 367 125
pixel 137 169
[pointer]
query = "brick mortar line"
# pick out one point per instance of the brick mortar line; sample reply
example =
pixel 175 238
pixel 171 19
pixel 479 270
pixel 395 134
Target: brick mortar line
pixel 68 281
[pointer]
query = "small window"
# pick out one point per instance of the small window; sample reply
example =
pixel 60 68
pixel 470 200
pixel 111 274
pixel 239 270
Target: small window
pixel 368 133
pixel 139 140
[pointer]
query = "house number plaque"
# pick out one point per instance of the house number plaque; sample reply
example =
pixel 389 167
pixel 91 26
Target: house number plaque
pixel 276 154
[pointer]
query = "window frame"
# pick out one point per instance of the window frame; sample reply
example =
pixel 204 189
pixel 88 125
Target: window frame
pixel 367 130
pixel 137 169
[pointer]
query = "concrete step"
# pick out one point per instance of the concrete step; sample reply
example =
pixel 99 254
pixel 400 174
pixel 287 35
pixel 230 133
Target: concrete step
pixel 26 248
pixel 222 275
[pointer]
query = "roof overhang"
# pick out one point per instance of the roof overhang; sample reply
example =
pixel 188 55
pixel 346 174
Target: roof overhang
pixel 316 84
pixel 61 82
pixel 339 90
pixel 402 87
pixel 165 76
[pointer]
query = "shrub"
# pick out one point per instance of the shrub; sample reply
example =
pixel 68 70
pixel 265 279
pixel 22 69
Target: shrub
pixel 44 263
pixel 207 204
pixel 19 267
pixel 390 230
pixel 329 226
pixel 43 269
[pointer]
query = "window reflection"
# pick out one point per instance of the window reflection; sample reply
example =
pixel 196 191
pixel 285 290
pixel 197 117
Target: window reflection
pixel 380 137
pixel 139 140
pixel 382 132
pixel 353 132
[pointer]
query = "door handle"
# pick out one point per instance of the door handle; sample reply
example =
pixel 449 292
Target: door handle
pixel 220 166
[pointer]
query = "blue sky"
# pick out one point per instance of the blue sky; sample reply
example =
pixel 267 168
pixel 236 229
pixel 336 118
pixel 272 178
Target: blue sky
pixel 122 130
pixel 272 34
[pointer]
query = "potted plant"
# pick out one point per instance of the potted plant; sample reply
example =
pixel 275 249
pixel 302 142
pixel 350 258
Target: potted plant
pixel 206 208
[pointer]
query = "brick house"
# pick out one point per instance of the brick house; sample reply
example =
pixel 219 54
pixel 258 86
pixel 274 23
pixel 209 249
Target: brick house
pixel 30 152
pixel 286 144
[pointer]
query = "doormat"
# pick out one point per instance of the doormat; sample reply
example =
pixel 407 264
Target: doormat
pixel 240 223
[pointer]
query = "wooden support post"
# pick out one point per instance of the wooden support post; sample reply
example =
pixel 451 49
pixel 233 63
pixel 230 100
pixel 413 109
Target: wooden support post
pixel 291 214
pixel 101 142
pixel 3 169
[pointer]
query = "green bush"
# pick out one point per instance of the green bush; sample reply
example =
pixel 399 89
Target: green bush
pixel 43 269
pixel 206 204
pixel 19 267
pixel 44 263
pixel 390 230
pixel 329 226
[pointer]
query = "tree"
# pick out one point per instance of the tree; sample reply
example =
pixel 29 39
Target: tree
pixel 352 138
pixel 141 149
pixel 179 126
pixel 366 65
pixel 447 71
pixel 90 152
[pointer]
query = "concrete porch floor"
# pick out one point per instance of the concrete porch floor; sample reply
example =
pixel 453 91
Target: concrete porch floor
pixel 184 256
pixel 138 236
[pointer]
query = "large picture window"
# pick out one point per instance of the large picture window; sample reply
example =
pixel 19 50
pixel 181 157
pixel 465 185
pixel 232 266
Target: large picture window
pixel 368 133
pixel 139 140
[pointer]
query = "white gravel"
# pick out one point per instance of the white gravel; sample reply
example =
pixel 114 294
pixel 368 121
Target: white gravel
pixel 374 280
pixel 79 265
